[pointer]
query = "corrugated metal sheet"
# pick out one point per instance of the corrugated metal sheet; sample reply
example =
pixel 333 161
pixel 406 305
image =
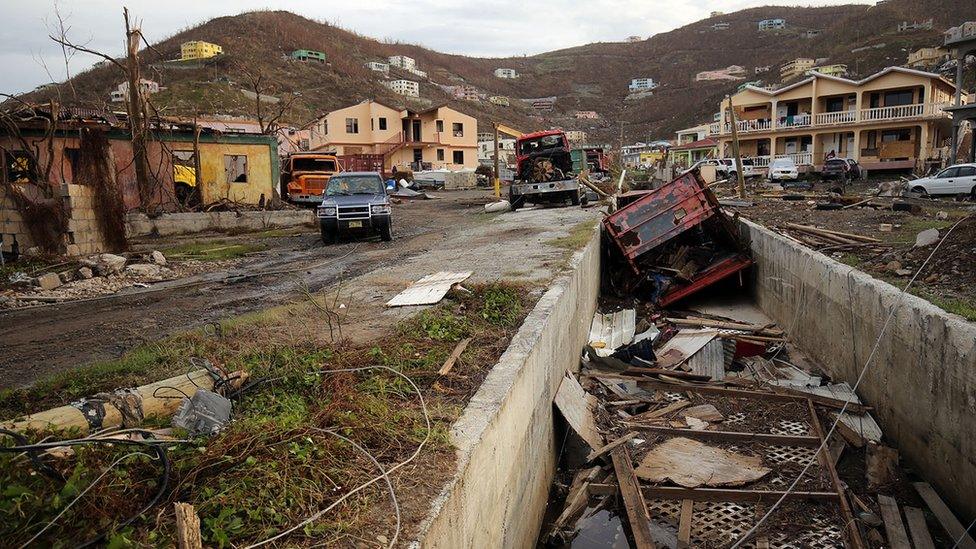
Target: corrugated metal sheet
pixel 429 289
pixel 609 332
pixel 709 361
pixel 683 345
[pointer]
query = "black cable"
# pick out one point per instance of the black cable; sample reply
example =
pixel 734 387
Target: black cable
pixel 34 456
pixel 156 446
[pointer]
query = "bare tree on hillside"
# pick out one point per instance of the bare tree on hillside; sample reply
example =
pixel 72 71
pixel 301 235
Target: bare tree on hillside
pixel 262 86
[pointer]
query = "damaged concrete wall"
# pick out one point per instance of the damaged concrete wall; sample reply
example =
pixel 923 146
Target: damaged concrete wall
pixel 922 381
pixel 505 443
pixel 139 224
pixel 83 237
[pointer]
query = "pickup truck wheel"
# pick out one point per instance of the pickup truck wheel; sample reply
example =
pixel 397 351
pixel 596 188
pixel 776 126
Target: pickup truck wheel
pixel 516 202
pixel 386 233
pixel 329 236
pixel 575 198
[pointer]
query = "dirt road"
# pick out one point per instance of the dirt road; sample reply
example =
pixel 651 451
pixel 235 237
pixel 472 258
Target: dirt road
pixel 45 340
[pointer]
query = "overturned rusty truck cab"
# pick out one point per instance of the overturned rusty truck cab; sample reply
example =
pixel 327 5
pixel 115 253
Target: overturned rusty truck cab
pixel 671 242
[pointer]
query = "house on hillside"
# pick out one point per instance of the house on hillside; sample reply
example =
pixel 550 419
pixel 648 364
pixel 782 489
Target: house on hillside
pixel 506 73
pixel 796 67
pixel 408 88
pixel 308 55
pixel 378 67
pixel 634 38
pixel 836 69
pixel 499 100
pixel 198 49
pixel 506 151
pixel 686 154
pixel 121 92
pixel 576 137
pixel 927 57
pixel 732 72
pixel 438 137
pixel 812 33
pixel 402 62
pixel 586 115
pixel 905 26
pixel 772 24
pixel 641 84
pixel 694 133
pixel 465 93
pixel 542 104
pixel 893 119
pixel 721 26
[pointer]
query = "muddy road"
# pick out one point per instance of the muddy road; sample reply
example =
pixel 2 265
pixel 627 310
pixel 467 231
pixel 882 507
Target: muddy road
pixel 40 341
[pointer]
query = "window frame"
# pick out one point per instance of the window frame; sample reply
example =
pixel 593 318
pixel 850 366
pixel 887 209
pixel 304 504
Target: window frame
pixel 382 123
pixel 246 173
pixel 352 126
pixel 457 129
pixel 439 125
pixel 454 157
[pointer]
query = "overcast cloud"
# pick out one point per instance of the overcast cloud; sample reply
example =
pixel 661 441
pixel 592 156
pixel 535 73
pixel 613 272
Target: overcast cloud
pixel 499 28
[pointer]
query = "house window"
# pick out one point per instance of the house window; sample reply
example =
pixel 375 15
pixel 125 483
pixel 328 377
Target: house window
pixel 458 129
pixel 235 168
pixel 73 157
pixel 325 127
pixel 459 157
pixel 896 135
pixel 440 154
pixel 372 124
pixel 895 98
pixel 440 126
pixel 835 104
pixel 352 125
pixel 20 166
pixel 382 123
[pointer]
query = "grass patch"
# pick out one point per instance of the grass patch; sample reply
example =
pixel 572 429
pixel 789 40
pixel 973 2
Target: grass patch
pixel 851 259
pixel 212 250
pixel 578 236
pixel 275 464
pixel 909 229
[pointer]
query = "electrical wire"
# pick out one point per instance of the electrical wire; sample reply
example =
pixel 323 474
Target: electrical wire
pixel 847 402
pixel 364 485
pixel 964 534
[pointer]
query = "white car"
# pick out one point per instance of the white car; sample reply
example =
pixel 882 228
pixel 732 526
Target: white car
pixel 958 179
pixel 783 169
pixel 725 167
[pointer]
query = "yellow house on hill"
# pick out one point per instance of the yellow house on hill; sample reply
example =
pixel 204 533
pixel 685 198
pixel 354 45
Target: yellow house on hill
pixel 199 49
pixel 893 119
pixel 438 137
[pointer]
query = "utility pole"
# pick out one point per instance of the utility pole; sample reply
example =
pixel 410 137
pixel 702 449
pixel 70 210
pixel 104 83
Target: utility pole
pixel 498 182
pixel 735 151
pixel 137 125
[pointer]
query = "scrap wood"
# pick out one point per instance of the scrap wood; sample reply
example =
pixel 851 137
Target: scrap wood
pixel 610 447
pixel 948 521
pixel 821 400
pixel 456 354
pixel 576 405
pixel 576 499
pixel 919 530
pixel 857 429
pixel 832 234
pixel 684 523
pixel 703 412
pixel 725 325
pixel 637 516
pixel 187 526
pixel 882 464
pixel 429 289
pixel 858 203
pixel 661 412
pixel 690 463
pixel 894 528
pixel 663 371
pixel 836 449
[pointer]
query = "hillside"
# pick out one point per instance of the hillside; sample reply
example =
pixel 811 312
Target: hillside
pixel 590 77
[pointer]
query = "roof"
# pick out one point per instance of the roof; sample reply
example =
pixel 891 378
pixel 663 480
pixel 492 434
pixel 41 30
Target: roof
pixel 706 143
pixel 815 74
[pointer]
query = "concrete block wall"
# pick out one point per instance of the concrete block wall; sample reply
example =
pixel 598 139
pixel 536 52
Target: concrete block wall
pixel 84 236
pixel 506 452
pixel 138 224
pixel 12 225
pixel 922 379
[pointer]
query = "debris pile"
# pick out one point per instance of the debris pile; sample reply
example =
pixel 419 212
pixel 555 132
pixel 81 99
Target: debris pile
pixel 701 424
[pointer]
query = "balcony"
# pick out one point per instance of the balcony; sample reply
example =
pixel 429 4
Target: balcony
pixel 800 159
pixel 839 118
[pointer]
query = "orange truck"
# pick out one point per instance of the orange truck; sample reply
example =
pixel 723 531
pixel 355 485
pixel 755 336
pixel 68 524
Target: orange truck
pixel 306 175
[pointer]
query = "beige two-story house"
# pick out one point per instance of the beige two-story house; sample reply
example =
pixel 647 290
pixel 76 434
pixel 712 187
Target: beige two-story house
pixel 434 138
pixel 893 119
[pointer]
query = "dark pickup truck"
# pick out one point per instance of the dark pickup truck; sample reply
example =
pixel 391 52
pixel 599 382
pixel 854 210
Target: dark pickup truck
pixel 355 203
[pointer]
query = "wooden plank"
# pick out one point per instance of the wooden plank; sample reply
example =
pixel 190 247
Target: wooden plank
pixel 894 528
pixel 945 516
pixel 429 289
pixel 786 440
pixel 722 391
pixel 920 531
pixel 609 447
pixel 821 400
pixel 724 325
pixel 661 371
pixel 577 497
pixel 576 405
pixel 456 354
pixel 684 523
pixel 717 494
pixel 187 526
pixel 691 463
pixel 640 523
pixel 661 412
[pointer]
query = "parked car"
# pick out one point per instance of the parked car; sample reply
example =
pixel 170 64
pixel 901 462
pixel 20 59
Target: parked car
pixel 355 203
pixel 783 169
pixel 846 169
pixel 957 179
pixel 726 167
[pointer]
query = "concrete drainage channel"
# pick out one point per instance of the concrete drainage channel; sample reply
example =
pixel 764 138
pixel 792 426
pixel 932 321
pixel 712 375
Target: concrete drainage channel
pixel 510 441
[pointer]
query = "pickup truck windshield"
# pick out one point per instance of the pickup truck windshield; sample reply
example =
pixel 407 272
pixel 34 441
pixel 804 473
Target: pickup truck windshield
pixel 313 165
pixel 355 184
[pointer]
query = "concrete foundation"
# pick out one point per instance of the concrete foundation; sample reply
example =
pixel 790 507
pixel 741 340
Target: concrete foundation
pixel 922 378
pixel 138 224
pixel 505 444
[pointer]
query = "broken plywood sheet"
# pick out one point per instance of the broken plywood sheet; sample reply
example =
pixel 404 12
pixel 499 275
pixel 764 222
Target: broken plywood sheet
pixel 709 361
pixel 576 405
pixel 682 346
pixel 610 331
pixel 691 464
pixel 428 290
pixel 863 425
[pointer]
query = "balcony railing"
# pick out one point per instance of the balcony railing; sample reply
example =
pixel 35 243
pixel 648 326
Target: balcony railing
pixel 800 159
pixel 878 114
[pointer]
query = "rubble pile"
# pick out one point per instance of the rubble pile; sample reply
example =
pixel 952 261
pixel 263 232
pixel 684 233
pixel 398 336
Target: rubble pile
pixel 94 276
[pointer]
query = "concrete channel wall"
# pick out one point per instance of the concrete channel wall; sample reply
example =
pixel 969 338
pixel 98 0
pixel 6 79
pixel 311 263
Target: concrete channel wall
pixel 138 224
pixel 506 452
pixel 922 379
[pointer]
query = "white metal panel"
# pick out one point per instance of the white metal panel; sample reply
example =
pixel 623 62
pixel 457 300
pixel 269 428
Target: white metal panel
pixel 609 332
pixel 429 289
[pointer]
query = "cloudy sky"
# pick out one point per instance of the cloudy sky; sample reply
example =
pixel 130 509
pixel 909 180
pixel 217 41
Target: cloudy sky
pixel 498 28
